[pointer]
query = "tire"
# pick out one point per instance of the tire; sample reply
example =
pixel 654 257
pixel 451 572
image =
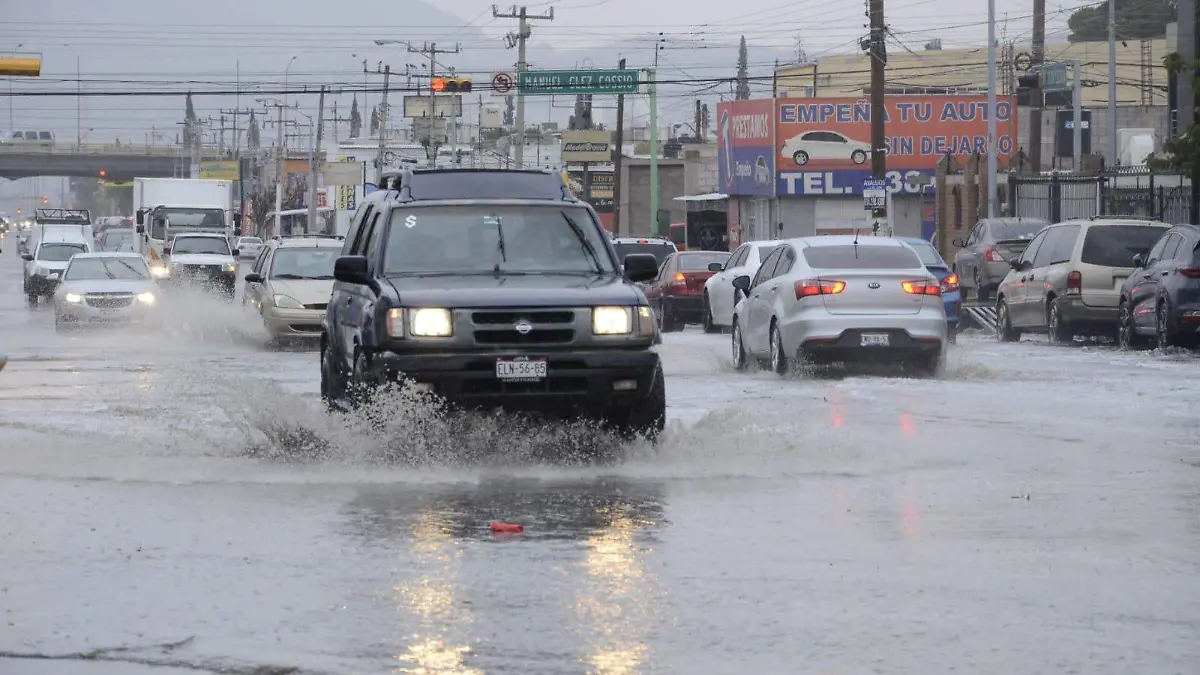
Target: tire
pixel 648 418
pixel 952 334
pixel 32 300
pixel 1127 337
pixel 981 291
pixel 779 359
pixel 60 324
pixel 741 360
pixel 858 157
pixel 333 388
pixel 1004 330
pixel 930 366
pixel 1058 330
pixel 709 326
pixel 668 323
pixel 1163 337
pixel 800 158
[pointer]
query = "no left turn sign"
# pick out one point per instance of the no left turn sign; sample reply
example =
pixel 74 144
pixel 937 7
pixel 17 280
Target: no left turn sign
pixel 502 83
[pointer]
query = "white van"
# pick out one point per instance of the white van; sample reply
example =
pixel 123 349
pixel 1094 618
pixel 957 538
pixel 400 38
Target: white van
pixel 39 137
pixel 49 251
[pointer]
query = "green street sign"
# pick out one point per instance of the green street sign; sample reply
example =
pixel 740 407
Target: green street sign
pixel 549 82
pixel 1054 77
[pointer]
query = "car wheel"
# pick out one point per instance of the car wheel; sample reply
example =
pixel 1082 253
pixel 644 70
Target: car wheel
pixel 31 299
pixel 333 390
pixel 858 157
pixel 60 324
pixel 801 157
pixel 1058 330
pixel 1162 329
pixel 740 360
pixel 1127 337
pixel 668 323
pixel 648 417
pixel 981 291
pixel 952 334
pixel 709 326
pixel 1004 330
pixel 779 359
pixel 931 365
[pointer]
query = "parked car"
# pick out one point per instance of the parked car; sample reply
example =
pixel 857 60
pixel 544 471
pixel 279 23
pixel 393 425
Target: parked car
pixel 840 298
pixel 677 293
pixel 822 144
pixel 106 289
pixel 290 285
pixel 719 294
pixel 951 295
pixel 1068 280
pixel 1160 301
pixel 984 259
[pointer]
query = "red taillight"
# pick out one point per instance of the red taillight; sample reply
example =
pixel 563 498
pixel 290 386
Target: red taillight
pixel 1074 283
pixel 1189 272
pixel 679 278
pixel 810 287
pixel 992 255
pixel 922 287
pixel 950 284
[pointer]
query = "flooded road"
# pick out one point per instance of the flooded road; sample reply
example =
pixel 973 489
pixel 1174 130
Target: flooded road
pixel 1036 510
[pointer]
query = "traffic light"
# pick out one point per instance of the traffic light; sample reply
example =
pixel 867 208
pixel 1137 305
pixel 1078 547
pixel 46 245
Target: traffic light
pixel 45 199
pixel 452 85
pixel 21 66
pixel 102 172
pixel 1030 81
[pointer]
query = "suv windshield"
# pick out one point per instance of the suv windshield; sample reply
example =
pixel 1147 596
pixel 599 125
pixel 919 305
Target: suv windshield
pixel 59 252
pixel 107 268
pixel 660 250
pixel 1115 245
pixel 495 238
pixel 200 245
pixel 304 263
pixel 1016 230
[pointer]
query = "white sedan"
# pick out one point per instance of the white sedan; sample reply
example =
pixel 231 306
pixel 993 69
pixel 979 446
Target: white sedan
pixel 839 299
pixel 719 294
pixel 825 145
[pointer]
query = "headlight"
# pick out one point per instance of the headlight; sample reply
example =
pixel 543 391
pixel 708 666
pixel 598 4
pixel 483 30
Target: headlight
pixel 645 321
pixel 146 298
pixel 159 271
pixel 429 322
pixel 73 298
pixel 612 321
pixel 285 302
pixel 229 267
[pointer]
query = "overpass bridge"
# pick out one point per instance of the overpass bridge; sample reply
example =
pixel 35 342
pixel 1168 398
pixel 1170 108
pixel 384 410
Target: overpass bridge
pixel 119 163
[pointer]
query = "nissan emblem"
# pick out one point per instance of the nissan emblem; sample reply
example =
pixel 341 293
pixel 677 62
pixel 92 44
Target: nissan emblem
pixel 523 327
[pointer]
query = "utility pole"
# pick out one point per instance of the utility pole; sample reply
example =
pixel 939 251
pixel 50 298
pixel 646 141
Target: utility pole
pixel 1036 98
pixel 383 109
pixel 1114 153
pixel 991 115
pixel 878 88
pixel 237 130
pixel 696 125
pixel 652 75
pixel 279 177
pixel 430 51
pixel 221 141
pixel 312 163
pixel 618 157
pixel 1077 127
pixel 523 32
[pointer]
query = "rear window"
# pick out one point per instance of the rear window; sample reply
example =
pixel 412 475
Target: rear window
pixel 699 262
pixel 1115 245
pixel 850 257
pixel 927 253
pixel 1002 231
pixel 659 251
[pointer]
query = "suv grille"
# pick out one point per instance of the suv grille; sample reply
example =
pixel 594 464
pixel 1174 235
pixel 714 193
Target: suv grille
pixel 546 327
pixel 533 317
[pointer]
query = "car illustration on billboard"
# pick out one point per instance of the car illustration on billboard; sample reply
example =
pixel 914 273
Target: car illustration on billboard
pixel 822 145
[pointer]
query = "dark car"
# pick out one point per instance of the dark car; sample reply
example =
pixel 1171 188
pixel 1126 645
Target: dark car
pixel 516 303
pixel 1160 301
pixel 677 293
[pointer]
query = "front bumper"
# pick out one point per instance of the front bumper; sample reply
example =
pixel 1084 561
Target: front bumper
pixel 216 279
pixel 591 380
pixel 83 313
pixel 293 323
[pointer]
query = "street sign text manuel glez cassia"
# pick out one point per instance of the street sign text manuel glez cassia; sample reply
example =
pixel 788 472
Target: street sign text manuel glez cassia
pixel 548 82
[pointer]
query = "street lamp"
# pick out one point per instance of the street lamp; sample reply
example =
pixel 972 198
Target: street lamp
pixel 285 79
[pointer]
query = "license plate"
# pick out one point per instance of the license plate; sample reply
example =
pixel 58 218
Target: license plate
pixel 874 340
pixel 521 370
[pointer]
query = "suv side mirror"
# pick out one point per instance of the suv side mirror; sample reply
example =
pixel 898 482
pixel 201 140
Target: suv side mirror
pixel 28 257
pixel 1017 264
pixel 640 267
pixel 236 252
pixel 254 278
pixel 141 220
pixel 351 269
pixel 716 267
pixel 166 250
pixel 1139 260
pixel 742 283
pixel 959 242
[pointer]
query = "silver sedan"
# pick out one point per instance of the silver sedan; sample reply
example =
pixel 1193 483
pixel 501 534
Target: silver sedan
pixel 840 299
pixel 106 289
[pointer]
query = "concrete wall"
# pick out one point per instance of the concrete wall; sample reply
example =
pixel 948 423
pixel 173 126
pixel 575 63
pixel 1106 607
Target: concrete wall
pixel 635 194
pixel 801 215
pixel 700 168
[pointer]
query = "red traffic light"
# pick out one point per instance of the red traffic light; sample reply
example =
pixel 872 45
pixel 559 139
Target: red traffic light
pixel 45 199
pixel 102 173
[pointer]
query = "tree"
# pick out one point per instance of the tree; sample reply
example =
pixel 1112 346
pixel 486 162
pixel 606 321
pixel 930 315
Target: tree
pixel 1181 153
pixel 1135 20
pixel 374 121
pixel 743 72
pixel 355 119
pixel 510 111
pixel 190 122
pixel 253 133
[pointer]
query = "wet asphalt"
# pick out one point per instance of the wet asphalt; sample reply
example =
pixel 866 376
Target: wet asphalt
pixel 1035 510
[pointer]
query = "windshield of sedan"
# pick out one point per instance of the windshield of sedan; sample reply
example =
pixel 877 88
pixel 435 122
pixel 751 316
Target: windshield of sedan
pixel 851 257
pixel 59 252
pixel 304 263
pixel 927 253
pixel 200 246
pixel 125 267
pixel 496 239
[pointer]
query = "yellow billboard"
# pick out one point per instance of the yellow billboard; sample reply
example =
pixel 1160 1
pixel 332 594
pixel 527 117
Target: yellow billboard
pixel 219 170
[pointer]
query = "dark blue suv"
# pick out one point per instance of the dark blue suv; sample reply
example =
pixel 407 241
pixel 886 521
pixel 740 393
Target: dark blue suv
pixel 513 301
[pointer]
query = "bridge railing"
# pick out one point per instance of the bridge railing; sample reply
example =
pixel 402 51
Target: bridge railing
pixel 134 150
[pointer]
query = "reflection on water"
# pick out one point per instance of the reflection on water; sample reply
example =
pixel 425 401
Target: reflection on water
pixel 432 602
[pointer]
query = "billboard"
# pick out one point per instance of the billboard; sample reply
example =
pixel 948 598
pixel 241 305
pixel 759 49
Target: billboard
pixel 219 170
pixel 824 145
pixel 601 184
pixel 746 147
pixel 587 146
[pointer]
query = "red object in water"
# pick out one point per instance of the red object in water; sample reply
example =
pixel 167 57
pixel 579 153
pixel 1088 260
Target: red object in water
pixel 498 526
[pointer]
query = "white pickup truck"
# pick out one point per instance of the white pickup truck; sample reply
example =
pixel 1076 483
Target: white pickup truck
pixel 204 259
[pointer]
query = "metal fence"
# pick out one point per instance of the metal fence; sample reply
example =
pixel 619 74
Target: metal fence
pixel 1133 193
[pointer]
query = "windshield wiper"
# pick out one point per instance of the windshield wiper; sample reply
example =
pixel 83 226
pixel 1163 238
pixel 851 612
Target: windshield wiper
pixel 287 276
pixel 503 253
pixel 587 245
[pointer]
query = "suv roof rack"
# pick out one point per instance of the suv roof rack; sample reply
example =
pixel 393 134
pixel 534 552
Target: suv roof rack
pixel 280 237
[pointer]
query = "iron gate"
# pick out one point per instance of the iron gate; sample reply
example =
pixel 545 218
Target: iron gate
pixel 1133 192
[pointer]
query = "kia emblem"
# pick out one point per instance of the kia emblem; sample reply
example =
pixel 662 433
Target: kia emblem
pixel 873 285
pixel 523 327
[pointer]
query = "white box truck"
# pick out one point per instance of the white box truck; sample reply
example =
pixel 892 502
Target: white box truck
pixel 167 207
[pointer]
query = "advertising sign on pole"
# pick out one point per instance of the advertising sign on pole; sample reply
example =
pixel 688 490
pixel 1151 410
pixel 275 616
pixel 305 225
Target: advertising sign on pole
pixel 586 146
pixel 874 194
pixel 746 147
pixel 823 145
pixel 445 105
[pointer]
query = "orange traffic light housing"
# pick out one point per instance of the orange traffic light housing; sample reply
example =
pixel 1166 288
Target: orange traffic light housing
pixel 21 66
pixel 451 85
